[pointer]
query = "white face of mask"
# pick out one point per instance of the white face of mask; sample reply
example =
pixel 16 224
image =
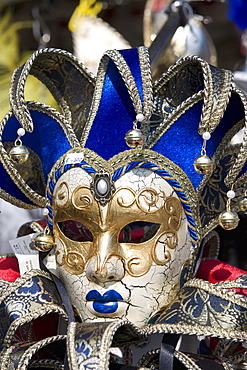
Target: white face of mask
pixel 123 259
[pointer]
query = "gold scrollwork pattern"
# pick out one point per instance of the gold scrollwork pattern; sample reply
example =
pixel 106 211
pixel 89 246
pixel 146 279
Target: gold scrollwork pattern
pixel 147 199
pixel 173 209
pixel 159 260
pixel 62 196
pixel 126 197
pixel 72 260
pixel 75 261
pixel 137 266
pixel 137 257
pixel 81 198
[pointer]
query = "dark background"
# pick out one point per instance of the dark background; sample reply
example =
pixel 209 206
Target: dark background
pixel 127 17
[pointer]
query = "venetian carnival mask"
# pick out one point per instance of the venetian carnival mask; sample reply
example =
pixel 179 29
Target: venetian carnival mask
pixel 121 245
pixel 128 223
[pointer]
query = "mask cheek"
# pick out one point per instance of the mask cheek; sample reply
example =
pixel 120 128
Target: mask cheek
pixel 146 294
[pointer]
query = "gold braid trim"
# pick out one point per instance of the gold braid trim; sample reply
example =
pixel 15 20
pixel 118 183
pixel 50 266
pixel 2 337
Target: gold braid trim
pixel 222 151
pixel 215 100
pixel 19 78
pixel 47 364
pixel 13 286
pixel 241 157
pixel 172 118
pixel 35 314
pixel 189 363
pixel 220 290
pixel 195 329
pixel 217 88
pixel 186 361
pixel 70 343
pixel 147 86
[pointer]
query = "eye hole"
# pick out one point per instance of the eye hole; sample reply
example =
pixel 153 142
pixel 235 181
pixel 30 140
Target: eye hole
pixel 76 231
pixel 138 232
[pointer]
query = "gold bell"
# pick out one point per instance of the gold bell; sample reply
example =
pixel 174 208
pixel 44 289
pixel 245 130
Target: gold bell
pixel 43 242
pixel 19 154
pixel 134 138
pixel 228 220
pixel 243 205
pixel 203 164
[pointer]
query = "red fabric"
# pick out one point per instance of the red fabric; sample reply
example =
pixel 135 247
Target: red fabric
pixel 9 268
pixel 42 223
pixel 215 271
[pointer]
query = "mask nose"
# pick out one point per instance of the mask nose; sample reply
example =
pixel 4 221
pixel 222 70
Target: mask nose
pixel 105 265
pixel 110 271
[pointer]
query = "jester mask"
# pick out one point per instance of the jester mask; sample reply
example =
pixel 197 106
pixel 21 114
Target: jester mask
pixel 127 222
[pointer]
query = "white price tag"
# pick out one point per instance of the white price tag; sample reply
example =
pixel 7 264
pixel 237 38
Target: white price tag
pixel 72 158
pixel 28 257
pixel 50 261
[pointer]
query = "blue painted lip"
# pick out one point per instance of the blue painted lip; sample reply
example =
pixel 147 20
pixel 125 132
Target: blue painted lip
pixel 109 296
pixel 106 303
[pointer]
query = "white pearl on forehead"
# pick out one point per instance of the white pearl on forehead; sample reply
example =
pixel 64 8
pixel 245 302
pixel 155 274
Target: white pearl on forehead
pixel 102 186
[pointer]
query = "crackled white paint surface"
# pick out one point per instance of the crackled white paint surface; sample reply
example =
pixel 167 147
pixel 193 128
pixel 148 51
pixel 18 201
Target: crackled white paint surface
pixel 142 296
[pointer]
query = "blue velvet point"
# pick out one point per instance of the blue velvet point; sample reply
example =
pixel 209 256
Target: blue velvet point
pixel 116 113
pixel 182 143
pixel 47 140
